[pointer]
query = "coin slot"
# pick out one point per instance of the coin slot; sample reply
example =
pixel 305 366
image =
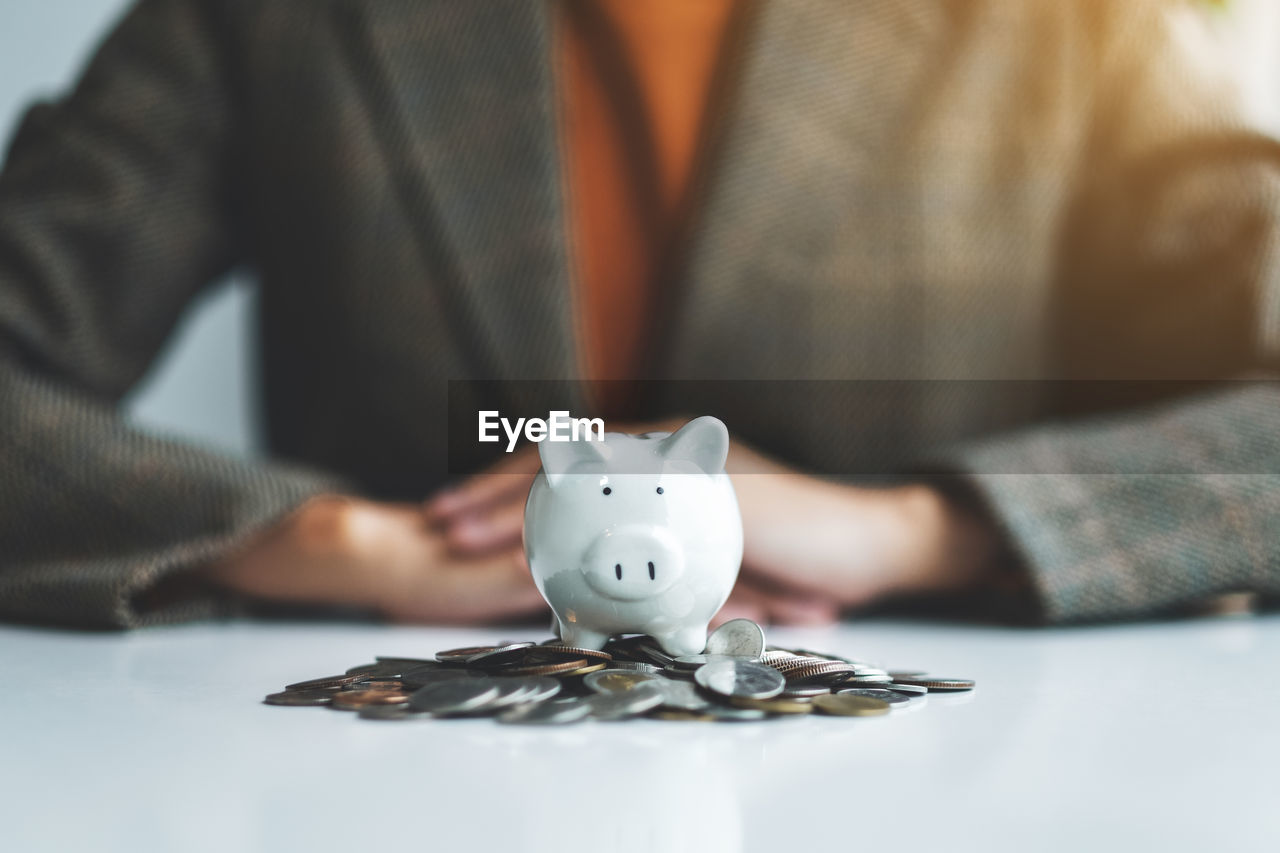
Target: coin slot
pixel 617 570
pixel 651 572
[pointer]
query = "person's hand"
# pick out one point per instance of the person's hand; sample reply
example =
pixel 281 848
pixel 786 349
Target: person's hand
pixel 811 548
pixel 851 546
pixel 383 557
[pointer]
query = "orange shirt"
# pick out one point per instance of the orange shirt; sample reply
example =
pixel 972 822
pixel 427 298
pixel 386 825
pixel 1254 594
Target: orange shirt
pixel 637 77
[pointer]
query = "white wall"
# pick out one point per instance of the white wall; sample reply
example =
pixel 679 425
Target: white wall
pixel 203 386
pixel 1250 31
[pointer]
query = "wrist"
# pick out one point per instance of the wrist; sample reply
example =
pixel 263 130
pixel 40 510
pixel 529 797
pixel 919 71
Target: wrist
pixel 315 532
pixel 946 546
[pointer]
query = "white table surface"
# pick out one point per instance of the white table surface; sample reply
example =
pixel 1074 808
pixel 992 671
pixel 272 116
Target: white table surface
pixel 1138 738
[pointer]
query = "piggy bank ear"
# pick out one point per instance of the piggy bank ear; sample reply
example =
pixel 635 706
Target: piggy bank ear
pixel 562 457
pixel 703 441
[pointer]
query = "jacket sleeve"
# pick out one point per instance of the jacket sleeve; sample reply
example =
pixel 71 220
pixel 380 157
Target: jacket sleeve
pixel 116 209
pixel 1170 280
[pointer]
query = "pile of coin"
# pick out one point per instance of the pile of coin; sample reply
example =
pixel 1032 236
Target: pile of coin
pixel 737 678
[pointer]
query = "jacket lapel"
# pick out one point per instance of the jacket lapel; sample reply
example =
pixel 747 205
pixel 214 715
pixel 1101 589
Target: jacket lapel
pixel 824 89
pixel 463 93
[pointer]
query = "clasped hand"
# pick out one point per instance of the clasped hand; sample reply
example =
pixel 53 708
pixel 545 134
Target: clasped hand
pixel 812 548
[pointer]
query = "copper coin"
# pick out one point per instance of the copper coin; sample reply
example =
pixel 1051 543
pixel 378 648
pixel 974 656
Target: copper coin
pixel 352 700
pixel 330 682
pixel 463 654
pixel 301 697
pixel 568 666
pixel 376 684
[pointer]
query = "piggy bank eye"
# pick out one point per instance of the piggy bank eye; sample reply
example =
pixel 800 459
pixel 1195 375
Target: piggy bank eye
pixel 608 491
pixel 659 489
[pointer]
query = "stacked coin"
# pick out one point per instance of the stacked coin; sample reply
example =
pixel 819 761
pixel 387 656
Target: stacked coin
pixel 736 678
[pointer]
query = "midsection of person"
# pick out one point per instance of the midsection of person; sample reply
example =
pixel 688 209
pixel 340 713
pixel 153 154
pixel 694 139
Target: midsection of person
pixel 402 250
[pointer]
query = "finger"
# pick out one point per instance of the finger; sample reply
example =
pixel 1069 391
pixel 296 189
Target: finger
pixel 794 605
pixel 497 529
pixel 510 477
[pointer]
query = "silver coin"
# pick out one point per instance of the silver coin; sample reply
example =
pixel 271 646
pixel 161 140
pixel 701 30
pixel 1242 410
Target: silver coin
pixel 542 688
pixel 627 703
pixel 725 714
pixel 740 678
pixel 455 696
pixel 511 691
pixel 392 712
pixel 905 689
pixel 804 690
pixel 547 713
pixel 690 662
pixel 497 655
pixel 655 654
pixel 739 637
pixel 406 662
pixel 424 675
pixel 635 666
pixel 870 679
pixel 681 695
pixel 884 695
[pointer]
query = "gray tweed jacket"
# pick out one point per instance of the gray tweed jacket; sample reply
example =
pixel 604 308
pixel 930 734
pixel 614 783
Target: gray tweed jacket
pixel 1022 224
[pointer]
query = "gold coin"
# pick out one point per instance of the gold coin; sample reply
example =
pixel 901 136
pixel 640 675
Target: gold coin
pixel 849 705
pixel 583 670
pixel 617 680
pixel 682 716
pixel 773 706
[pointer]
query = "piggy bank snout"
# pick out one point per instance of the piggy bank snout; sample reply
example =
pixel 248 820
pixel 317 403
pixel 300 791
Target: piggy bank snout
pixel 633 562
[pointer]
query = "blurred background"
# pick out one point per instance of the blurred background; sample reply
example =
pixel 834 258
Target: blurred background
pixel 204 386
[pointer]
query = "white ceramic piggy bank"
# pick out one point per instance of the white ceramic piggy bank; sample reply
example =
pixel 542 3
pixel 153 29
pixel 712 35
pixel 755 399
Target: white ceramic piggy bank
pixel 635 534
